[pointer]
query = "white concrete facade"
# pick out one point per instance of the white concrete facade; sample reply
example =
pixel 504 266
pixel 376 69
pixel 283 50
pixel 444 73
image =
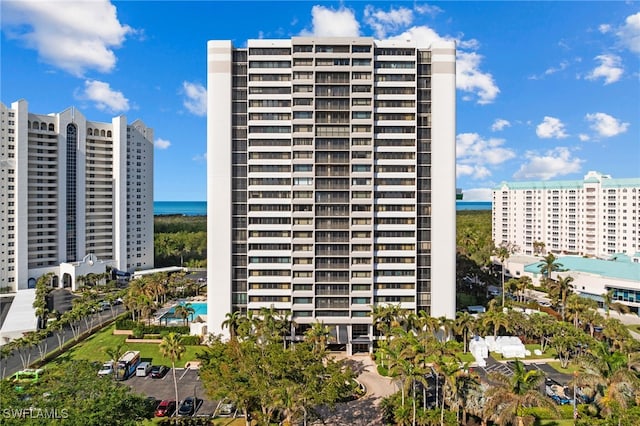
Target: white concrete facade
pixel 597 216
pixel 71 187
pixel 331 180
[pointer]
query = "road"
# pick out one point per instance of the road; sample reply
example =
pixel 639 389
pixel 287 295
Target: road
pixel 13 362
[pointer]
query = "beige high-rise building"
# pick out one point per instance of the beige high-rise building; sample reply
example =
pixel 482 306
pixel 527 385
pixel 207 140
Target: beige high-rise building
pixel 331 181
pixel 73 192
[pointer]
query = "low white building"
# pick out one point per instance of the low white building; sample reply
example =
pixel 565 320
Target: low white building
pixel 591 277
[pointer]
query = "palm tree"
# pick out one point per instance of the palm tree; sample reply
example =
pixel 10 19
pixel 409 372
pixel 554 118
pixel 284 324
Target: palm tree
pixel 610 303
pixel 232 322
pixel 317 335
pixel 184 311
pixel 608 375
pixel 465 323
pixel 115 352
pixel 538 247
pixel 171 347
pixel 523 282
pixel 385 317
pixel 592 318
pixel 549 264
pixel 577 308
pixel 510 395
pixel 503 252
pixel 561 288
pixel 495 319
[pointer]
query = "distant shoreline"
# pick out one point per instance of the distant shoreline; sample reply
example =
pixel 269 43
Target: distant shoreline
pixel 199 208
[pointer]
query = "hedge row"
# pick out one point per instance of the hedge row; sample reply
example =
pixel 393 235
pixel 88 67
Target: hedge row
pixel 142 329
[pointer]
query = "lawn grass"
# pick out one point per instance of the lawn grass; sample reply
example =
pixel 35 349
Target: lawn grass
pixel 95 347
pixel 565 422
pixel 468 357
pixel 571 368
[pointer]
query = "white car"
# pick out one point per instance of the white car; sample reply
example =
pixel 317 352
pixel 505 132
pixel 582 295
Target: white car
pixel 106 369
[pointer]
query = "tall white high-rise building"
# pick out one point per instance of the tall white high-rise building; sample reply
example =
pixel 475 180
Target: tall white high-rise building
pixel 74 192
pixel 597 216
pixel 331 181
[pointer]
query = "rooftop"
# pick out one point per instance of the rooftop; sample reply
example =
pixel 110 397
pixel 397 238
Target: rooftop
pixel 619 267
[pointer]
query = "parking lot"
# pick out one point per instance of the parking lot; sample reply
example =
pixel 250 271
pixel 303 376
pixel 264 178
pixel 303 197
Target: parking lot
pixel 189 384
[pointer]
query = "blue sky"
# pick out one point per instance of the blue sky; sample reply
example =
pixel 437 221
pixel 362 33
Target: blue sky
pixel 545 90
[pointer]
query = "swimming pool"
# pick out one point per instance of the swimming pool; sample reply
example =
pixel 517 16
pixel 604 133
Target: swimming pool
pixel 200 308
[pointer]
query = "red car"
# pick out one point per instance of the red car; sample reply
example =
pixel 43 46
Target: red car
pixel 166 408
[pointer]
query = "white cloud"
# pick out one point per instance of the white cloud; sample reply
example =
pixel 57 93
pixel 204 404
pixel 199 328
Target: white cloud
pixel 551 127
pixel 427 9
pixel 75 37
pixel 604 28
pixel 478 194
pixel 629 33
pixel 384 22
pixel 610 69
pixel 195 98
pixel 200 157
pixel 605 125
pixel 553 163
pixel 162 143
pixel 583 137
pixel 105 98
pixel 473 154
pixel 500 124
pixel 469 78
pixel 563 65
pixel 476 171
pixel 327 22
pixel 478 84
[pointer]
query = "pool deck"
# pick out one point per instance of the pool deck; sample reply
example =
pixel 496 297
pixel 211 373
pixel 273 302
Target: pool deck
pixel 157 319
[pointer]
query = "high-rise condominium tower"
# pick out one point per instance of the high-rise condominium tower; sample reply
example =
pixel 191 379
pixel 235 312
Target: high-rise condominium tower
pixel 597 216
pixel 72 190
pixel 331 180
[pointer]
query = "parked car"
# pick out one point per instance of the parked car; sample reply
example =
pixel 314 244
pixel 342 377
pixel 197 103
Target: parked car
pixel 158 371
pixel 189 406
pixel 106 369
pixel 166 408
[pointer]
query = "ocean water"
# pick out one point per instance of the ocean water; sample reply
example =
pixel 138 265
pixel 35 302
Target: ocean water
pixel 199 208
pixel 185 208
pixel 473 205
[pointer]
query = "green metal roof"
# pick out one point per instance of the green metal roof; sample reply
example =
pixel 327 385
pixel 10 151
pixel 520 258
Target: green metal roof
pixel 620 267
pixel 620 183
pixel 572 184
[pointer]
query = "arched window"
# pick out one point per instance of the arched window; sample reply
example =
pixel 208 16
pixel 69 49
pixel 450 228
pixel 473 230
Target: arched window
pixel 43 126
pixel 36 125
pixel 90 131
pixel 102 133
pixel 28 124
pixel 51 128
pixel 108 133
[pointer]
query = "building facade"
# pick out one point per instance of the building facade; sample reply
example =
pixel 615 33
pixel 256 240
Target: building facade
pixel 72 191
pixel 598 216
pixel 331 181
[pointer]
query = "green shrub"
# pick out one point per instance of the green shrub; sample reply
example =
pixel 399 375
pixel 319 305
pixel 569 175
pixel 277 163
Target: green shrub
pixel 152 336
pixel 190 340
pixel 542 413
pixel 127 324
pixel 138 333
